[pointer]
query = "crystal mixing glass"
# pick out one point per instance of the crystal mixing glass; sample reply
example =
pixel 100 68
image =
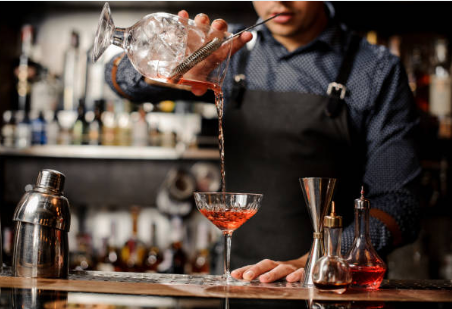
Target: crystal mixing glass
pixel 228 211
pixel 159 42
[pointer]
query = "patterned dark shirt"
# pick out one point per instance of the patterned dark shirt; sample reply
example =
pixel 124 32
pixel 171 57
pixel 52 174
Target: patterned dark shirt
pixel 380 104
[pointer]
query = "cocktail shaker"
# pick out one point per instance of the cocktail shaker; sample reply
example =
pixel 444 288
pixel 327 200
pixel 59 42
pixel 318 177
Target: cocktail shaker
pixel 43 220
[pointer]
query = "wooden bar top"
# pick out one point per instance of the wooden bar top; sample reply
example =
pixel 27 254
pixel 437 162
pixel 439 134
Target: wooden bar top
pixel 212 287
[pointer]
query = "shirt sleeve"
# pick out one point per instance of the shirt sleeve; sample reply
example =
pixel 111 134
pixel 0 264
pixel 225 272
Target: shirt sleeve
pixel 389 134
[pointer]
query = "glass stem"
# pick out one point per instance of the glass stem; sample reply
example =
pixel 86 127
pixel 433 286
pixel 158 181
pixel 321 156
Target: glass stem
pixel 227 254
pixel 118 37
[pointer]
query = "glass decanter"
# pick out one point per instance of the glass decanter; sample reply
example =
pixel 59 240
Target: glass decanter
pixel 331 272
pixel 366 266
pixel 159 42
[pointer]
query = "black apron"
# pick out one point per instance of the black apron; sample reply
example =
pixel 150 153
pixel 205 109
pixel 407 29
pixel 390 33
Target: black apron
pixel 271 140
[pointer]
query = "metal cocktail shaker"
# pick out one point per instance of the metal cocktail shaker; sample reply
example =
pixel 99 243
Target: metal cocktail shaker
pixel 42 220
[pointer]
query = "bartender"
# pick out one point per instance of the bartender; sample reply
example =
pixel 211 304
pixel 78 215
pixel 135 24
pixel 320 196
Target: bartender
pixel 308 98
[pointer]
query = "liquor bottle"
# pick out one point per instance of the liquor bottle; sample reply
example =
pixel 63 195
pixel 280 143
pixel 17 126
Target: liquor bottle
pixel 23 129
pixel 24 69
pixel 134 250
pixel 366 266
pixel 201 261
pixel 72 73
pixel 123 129
pixel 109 125
pixel 440 82
pixel 419 78
pixel 108 258
pixel 52 128
pixel 38 128
pixel 8 129
pixel 80 129
pixel 331 272
pixel 179 257
pixel 154 256
pixel 95 125
pixel 82 258
pixel 139 128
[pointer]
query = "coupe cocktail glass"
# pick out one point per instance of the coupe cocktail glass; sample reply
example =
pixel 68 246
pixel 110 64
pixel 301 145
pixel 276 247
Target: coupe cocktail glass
pixel 228 211
pixel 159 42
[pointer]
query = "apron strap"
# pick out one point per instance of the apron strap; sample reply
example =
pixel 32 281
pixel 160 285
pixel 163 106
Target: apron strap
pixel 239 86
pixel 337 90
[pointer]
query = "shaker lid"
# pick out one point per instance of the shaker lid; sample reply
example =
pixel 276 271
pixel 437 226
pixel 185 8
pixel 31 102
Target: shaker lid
pixel 362 202
pixel 332 221
pixel 45 207
pixel 51 179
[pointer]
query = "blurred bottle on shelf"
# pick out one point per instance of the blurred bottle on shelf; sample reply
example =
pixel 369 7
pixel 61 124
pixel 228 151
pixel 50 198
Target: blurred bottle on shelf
pixel 81 127
pixel 8 240
pixel 109 125
pixel 8 129
pixel 52 128
pixel 201 261
pixel 95 123
pixel 154 256
pixel 94 80
pixel 419 77
pixel 82 258
pixel 440 89
pixel 179 256
pixel 123 129
pixel 66 120
pixel 139 128
pixel 25 71
pixel 38 128
pixel 108 257
pixel 23 129
pixel 134 250
pixel 72 73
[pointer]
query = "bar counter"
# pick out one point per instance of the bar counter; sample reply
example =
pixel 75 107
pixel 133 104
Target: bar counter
pixel 144 290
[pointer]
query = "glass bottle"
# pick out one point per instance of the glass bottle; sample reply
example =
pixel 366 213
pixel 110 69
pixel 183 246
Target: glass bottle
pixel 179 257
pixel 366 266
pixel 95 126
pixel 108 259
pixel 331 272
pixel 80 129
pixel 72 73
pixel 440 92
pixel 133 251
pixel 201 260
pixel 154 256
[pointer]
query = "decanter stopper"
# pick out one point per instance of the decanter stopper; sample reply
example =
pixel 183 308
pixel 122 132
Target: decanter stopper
pixel 366 266
pixel 331 272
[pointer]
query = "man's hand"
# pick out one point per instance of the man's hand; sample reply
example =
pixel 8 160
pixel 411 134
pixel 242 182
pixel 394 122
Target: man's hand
pixel 219 27
pixel 269 271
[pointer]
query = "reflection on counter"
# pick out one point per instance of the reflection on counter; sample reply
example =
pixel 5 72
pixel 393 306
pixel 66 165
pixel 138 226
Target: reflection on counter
pixel 36 298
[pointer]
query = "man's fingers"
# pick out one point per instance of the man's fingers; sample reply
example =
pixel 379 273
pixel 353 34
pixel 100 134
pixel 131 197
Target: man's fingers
pixel 258 269
pixel 183 14
pixel 239 42
pixel 238 273
pixel 202 19
pixel 220 25
pixel 276 273
pixel 296 275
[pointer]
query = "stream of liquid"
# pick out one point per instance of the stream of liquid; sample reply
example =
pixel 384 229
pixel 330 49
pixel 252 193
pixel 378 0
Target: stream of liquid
pixel 219 102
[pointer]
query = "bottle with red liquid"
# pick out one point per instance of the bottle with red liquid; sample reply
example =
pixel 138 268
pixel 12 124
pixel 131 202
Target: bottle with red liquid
pixel 366 266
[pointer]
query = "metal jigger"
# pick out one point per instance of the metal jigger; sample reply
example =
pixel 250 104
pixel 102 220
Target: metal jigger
pixel 318 193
